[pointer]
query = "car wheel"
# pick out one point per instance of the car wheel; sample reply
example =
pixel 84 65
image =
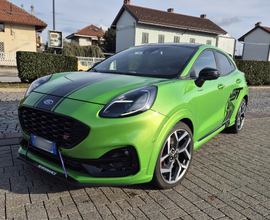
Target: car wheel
pixel 240 118
pixel 174 157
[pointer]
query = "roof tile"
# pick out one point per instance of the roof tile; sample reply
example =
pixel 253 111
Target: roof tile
pixel 170 19
pixel 19 16
pixel 90 30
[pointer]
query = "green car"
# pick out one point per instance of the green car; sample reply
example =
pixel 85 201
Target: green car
pixel 133 118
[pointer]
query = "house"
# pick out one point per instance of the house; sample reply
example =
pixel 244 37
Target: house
pixel 256 43
pixel 138 25
pixel 87 36
pixel 18 28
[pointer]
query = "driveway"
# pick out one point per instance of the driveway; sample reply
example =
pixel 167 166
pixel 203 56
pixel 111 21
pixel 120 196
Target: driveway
pixel 228 179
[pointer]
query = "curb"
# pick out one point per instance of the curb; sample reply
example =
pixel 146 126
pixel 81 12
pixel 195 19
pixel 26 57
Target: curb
pixel 13 89
pixel 259 87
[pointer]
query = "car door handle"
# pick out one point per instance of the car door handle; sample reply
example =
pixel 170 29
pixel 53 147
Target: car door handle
pixel 221 86
pixel 238 81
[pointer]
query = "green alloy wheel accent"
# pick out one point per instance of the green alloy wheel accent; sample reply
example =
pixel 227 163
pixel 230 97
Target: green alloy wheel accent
pixel 135 117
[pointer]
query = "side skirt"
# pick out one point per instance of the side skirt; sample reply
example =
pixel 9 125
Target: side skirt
pixel 211 134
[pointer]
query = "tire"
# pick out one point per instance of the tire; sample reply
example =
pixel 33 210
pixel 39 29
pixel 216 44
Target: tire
pixel 240 118
pixel 174 157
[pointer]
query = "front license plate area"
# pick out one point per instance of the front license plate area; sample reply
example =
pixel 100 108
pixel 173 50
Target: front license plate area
pixel 43 144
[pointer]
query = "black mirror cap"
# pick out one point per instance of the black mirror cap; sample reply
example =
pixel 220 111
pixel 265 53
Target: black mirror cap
pixel 207 74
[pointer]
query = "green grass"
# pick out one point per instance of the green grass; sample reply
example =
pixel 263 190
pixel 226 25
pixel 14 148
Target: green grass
pixel 14 85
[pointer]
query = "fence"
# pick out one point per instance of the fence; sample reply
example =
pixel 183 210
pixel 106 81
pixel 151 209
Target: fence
pixel 90 59
pixel 84 63
pixel 8 59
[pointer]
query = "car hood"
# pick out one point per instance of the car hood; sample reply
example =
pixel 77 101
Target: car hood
pixel 94 87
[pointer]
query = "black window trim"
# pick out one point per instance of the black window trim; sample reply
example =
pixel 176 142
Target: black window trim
pixel 188 76
pixel 218 64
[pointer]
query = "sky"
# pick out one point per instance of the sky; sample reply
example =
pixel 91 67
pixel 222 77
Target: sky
pixel 237 17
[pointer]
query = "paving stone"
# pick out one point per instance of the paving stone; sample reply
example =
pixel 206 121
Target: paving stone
pixel 91 215
pixel 232 213
pixel 16 212
pixel 151 208
pixel 74 216
pixel 36 211
pixel 86 207
pixel 173 213
pixel 68 209
pixel 251 214
pixel 214 213
pixel 137 213
pixel 114 207
pixel 103 210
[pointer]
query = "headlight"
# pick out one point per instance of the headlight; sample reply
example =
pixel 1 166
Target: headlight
pixel 130 103
pixel 37 83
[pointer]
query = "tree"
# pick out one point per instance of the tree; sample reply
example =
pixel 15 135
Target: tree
pixel 110 40
pixel 72 48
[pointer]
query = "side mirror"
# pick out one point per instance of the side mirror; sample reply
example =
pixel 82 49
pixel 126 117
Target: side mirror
pixel 207 74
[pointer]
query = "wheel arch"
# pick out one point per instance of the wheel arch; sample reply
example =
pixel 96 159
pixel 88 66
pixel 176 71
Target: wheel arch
pixel 184 116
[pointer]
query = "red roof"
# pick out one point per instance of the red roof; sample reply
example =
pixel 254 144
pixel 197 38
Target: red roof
pixel 266 29
pixel 169 19
pixel 90 30
pixel 11 13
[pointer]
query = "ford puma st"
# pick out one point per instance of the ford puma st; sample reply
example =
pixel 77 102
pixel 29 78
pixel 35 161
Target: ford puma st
pixel 133 118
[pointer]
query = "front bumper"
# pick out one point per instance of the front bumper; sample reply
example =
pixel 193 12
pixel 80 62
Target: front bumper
pixel 138 132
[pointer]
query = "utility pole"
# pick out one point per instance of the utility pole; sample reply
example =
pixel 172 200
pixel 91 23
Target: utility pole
pixel 54 50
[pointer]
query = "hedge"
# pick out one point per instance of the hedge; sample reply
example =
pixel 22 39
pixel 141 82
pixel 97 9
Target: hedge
pixel 256 72
pixel 32 66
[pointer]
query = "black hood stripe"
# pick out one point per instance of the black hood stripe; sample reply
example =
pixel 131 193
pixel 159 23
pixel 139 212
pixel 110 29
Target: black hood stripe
pixel 58 94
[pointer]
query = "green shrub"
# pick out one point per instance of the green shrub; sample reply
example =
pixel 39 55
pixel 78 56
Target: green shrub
pixel 256 72
pixel 32 66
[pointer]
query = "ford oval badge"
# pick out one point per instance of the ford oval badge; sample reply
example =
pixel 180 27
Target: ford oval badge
pixel 48 102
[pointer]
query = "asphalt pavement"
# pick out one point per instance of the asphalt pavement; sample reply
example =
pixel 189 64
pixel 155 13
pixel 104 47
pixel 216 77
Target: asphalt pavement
pixel 228 178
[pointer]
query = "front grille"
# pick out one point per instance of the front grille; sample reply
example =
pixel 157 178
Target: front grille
pixel 66 132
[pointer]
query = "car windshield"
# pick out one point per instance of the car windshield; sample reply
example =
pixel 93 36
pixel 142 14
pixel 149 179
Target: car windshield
pixel 151 61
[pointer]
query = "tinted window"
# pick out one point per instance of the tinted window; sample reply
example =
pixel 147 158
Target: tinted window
pixel 153 61
pixel 224 63
pixel 206 59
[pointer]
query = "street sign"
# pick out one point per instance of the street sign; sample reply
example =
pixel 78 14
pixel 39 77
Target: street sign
pixel 55 39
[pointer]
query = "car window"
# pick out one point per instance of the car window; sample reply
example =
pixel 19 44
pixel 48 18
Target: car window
pixel 151 61
pixel 206 59
pixel 225 65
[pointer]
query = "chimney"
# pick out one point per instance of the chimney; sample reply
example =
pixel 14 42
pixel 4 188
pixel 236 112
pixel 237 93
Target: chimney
pixel 170 10
pixel 126 2
pixel 203 16
pixel 32 10
pixel 258 24
pixel 22 6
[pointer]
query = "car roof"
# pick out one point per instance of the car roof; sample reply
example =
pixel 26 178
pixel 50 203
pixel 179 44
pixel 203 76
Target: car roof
pixel 193 45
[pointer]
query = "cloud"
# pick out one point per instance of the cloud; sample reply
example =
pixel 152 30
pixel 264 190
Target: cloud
pixel 225 21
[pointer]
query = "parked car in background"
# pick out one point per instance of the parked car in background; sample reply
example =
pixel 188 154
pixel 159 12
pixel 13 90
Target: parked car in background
pixel 133 118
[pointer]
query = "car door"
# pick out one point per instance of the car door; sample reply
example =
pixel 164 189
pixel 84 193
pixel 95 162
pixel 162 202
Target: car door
pixel 209 100
pixel 230 84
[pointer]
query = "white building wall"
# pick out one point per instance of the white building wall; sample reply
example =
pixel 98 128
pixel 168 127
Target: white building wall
pixel 226 43
pixel 84 41
pixel 169 34
pixel 125 32
pixel 257 45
